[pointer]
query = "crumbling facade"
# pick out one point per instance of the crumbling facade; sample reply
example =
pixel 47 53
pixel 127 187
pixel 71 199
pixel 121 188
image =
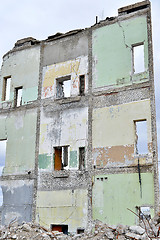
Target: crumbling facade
pixel 78 113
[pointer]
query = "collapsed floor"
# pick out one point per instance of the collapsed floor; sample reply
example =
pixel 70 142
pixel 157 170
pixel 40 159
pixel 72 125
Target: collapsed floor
pixel 148 229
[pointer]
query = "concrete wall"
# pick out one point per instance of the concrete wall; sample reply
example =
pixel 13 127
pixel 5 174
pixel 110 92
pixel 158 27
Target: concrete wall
pixel 17 201
pixel 19 129
pixel 112 52
pixel 102 120
pixel 114 134
pixel 114 193
pixel 23 67
pixel 65 49
pixel 67 127
pixel 54 208
pixel 74 68
pixel 18 126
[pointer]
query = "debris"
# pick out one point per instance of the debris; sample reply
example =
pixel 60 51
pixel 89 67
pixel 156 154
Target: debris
pixel 149 229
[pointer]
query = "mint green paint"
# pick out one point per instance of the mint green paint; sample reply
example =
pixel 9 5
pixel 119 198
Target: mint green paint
pixel 53 158
pixel 73 159
pixel 30 94
pixel 23 67
pixel 44 161
pixel 20 153
pixel 112 51
pixel 113 196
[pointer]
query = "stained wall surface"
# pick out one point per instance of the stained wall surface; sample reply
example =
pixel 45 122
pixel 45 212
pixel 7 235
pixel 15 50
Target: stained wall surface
pixel 54 208
pixel 114 193
pixel 23 67
pixel 105 100
pixel 73 68
pixel 19 129
pixel 112 52
pixel 18 199
pixel 18 126
pixel 62 128
pixel 114 134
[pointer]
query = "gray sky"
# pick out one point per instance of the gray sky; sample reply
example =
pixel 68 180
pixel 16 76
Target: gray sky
pixel 42 18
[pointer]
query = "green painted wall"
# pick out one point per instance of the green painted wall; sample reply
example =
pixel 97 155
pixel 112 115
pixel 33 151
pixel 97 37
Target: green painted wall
pixel 23 67
pixel 44 161
pixel 20 129
pixel 113 196
pixel 112 53
pixel 73 159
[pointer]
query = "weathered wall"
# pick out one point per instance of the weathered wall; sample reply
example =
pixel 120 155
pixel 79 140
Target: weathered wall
pixel 19 129
pixel 67 127
pixel 114 134
pixel 63 122
pixel 54 208
pixel 23 67
pixel 18 198
pixel 101 119
pixel 65 49
pixel 112 52
pixel 114 193
pixel 74 68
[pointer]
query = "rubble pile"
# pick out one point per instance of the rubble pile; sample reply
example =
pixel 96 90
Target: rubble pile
pixel 149 229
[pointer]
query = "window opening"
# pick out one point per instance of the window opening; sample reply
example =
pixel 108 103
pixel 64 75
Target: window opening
pixel 63 87
pixel 81 85
pixel 141 137
pixel 18 96
pixel 2 154
pixel 6 88
pixel 1 196
pixel 143 213
pixel 138 58
pixel 3 144
pixel 80 230
pixel 60 158
pixel 81 158
pixel 59 228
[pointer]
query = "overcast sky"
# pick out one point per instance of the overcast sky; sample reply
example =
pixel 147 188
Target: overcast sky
pixel 42 18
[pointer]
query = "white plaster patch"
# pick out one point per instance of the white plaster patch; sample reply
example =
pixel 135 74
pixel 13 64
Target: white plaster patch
pixel 19 121
pixel 11 185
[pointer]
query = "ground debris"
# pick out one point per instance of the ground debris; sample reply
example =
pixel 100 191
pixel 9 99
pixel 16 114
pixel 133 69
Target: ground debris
pixel 148 229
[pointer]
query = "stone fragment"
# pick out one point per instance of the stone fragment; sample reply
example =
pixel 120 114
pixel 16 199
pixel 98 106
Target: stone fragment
pixel 133 236
pixel 137 230
pixel 26 227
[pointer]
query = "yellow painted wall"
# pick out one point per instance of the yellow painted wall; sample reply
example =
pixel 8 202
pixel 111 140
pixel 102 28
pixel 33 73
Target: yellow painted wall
pixel 114 126
pixel 74 68
pixel 114 134
pixel 62 207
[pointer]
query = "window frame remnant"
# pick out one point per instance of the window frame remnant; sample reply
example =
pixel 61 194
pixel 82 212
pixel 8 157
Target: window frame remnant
pixel 6 88
pixel 81 85
pixel 138 67
pixel 61 158
pixel 18 96
pixel 138 150
pixel 62 90
pixel 81 158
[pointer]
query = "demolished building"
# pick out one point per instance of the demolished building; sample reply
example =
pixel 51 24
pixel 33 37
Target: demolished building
pixel 78 113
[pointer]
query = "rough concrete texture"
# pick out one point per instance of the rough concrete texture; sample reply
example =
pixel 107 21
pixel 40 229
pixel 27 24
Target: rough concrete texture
pixel 18 197
pixel 72 139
